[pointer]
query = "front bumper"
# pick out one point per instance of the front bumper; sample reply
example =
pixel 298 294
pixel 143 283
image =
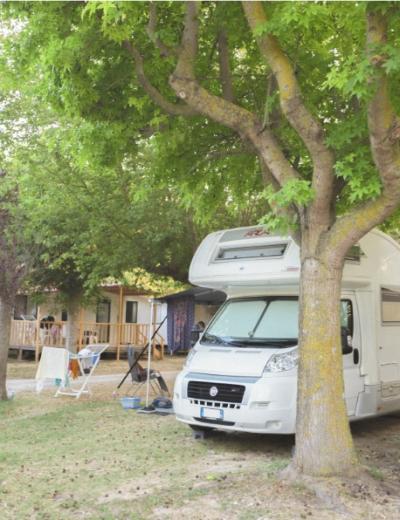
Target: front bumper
pixel 268 404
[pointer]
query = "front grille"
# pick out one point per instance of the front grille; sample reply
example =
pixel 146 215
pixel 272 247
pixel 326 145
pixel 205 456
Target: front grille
pixel 215 404
pixel 227 393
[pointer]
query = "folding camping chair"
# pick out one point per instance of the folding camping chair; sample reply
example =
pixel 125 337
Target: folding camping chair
pixel 139 375
pixel 87 359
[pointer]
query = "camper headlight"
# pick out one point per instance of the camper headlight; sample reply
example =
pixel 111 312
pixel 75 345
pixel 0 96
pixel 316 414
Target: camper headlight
pixel 282 362
pixel 190 357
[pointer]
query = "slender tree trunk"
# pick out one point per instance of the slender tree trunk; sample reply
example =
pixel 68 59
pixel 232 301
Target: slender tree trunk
pixel 324 444
pixel 73 308
pixel 5 329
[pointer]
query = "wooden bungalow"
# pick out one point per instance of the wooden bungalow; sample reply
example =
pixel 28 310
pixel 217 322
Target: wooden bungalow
pixel 120 317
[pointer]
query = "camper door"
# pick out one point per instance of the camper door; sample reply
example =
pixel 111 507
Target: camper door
pixel 351 343
pixel 389 351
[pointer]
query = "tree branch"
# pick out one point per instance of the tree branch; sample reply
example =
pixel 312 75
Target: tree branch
pixel 308 127
pixel 382 119
pixel 149 130
pixel 224 67
pixel 154 94
pixel 290 213
pixel 229 114
pixel 189 43
pixel 165 50
pixel 385 150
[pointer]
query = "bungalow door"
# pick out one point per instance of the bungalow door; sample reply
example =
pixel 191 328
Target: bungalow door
pixel 130 329
pixel 103 315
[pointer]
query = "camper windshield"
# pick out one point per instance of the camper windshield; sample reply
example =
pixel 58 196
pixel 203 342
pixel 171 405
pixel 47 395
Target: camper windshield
pixel 261 322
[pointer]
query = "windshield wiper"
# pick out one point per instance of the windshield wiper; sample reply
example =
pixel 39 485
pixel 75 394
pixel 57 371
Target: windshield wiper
pixel 211 338
pixel 276 342
pixel 248 342
pixel 263 342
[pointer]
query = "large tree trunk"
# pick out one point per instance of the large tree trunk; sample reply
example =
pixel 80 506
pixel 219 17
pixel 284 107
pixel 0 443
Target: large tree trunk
pixel 73 308
pixel 324 444
pixel 5 329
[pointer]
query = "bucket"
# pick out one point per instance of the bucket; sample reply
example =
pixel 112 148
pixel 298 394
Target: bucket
pixel 130 402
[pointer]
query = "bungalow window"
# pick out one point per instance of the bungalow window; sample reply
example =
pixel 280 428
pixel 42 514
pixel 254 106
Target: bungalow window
pixel 103 311
pixel 390 306
pixel 131 310
pixel 20 308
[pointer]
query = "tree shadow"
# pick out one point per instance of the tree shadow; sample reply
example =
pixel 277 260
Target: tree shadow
pixel 374 426
pixel 241 442
pixel 370 429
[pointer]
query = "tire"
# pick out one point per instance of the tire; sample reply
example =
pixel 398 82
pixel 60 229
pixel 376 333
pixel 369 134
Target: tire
pixel 199 428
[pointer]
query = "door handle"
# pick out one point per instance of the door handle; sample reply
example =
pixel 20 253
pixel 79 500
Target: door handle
pixel 356 356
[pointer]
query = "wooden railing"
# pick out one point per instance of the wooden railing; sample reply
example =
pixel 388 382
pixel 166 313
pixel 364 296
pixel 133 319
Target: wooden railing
pixel 33 335
pixel 134 333
pixel 23 333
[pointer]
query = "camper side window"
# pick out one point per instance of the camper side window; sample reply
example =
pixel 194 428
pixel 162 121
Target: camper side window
pixel 346 316
pixel 390 306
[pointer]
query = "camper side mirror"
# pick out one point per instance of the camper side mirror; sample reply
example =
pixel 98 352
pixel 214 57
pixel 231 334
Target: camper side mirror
pixel 346 341
pixel 194 337
pixel 196 332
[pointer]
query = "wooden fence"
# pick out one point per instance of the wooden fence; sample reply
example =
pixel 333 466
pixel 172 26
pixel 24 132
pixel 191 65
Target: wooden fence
pixel 34 335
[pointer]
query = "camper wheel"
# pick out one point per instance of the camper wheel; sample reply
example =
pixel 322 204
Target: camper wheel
pixel 200 432
pixel 201 428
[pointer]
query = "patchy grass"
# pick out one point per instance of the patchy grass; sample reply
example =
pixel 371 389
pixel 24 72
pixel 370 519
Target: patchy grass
pixel 27 369
pixel 66 459
pixel 376 473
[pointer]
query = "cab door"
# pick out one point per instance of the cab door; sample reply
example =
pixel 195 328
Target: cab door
pixel 353 381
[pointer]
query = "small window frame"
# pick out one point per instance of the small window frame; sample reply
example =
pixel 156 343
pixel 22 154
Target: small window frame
pixel 133 315
pixel 351 325
pixel 221 249
pixel 103 305
pixel 354 254
pixel 388 323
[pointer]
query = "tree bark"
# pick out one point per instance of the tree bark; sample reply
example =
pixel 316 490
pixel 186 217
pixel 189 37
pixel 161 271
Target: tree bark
pixel 5 329
pixel 324 444
pixel 73 308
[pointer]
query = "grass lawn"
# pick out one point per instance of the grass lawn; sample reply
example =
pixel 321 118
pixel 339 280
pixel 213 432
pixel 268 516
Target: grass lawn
pixel 27 369
pixel 67 459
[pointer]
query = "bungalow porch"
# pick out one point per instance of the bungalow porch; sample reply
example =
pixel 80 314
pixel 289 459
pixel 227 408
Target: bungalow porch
pixel 120 319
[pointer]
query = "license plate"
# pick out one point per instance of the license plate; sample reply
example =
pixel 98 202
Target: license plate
pixel 212 413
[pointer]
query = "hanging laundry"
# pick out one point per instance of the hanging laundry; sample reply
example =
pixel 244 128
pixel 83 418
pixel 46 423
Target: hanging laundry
pixel 53 365
pixel 74 368
pixel 86 357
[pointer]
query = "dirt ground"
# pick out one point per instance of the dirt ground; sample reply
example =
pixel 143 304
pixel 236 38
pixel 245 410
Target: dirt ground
pixel 67 459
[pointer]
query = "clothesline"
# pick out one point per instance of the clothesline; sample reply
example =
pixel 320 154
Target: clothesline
pixel 58 364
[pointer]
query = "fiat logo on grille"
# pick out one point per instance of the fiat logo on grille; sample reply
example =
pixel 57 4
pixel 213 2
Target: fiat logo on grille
pixel 213 391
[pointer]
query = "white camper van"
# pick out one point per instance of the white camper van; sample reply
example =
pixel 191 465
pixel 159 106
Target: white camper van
pixel 242 373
